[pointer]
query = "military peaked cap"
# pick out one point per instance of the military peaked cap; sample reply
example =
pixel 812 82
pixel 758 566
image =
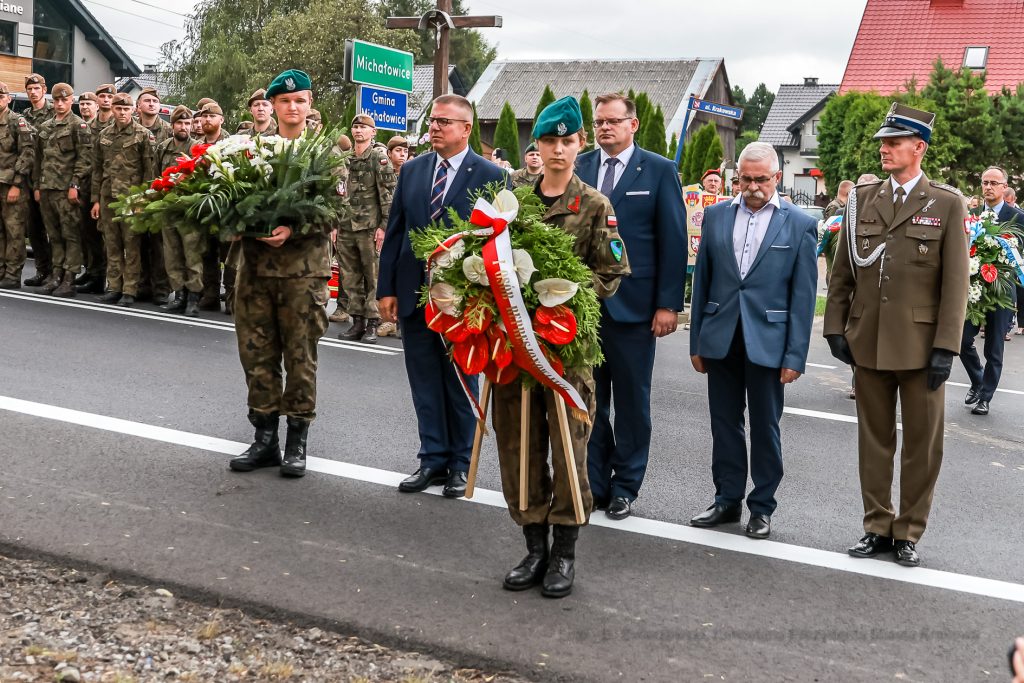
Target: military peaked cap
pixel 903 121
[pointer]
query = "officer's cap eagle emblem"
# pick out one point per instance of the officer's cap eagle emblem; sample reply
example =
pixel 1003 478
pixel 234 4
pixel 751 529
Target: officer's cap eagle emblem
pixel 562 129
pixel 289 83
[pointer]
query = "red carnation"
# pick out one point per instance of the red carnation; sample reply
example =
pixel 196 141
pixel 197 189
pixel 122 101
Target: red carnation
pixel 974 250
pixel 989 272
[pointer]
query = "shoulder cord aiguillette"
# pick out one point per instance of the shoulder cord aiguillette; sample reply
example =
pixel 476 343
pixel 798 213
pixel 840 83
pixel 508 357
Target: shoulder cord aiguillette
pixel 851 241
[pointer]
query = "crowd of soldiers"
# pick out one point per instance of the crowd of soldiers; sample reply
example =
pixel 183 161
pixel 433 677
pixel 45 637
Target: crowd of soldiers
pixel 61 171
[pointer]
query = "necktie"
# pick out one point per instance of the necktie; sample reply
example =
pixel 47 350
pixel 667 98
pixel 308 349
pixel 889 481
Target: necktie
pixel 898 203
pixel 609 177
pixel 437 191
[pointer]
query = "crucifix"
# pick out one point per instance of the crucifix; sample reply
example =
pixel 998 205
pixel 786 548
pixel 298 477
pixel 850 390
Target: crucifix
pixel 442 22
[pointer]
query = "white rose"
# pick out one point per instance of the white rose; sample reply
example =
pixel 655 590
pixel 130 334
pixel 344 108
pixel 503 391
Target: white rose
pixel 449 256
pixel 473 267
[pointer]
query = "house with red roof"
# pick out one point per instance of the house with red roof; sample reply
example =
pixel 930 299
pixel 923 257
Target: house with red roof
pixel 899 39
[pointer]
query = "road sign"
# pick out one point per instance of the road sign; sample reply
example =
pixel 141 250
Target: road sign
pixel 388 108
pixel 714 108
pixel 378 65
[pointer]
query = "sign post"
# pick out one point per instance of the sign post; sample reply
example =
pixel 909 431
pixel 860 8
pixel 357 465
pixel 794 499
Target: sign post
pixel 370 64
pixel 696 104
pixel 389 108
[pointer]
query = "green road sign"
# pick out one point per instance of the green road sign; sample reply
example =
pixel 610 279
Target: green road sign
pixel 378 65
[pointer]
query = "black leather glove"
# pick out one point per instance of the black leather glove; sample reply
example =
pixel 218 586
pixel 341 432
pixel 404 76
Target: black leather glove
pixel 940 364
pixel 840 348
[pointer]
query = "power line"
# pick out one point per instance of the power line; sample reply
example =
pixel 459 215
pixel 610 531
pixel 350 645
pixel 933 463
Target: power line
pixel 162 8
pixel 129 40
pixel 118 9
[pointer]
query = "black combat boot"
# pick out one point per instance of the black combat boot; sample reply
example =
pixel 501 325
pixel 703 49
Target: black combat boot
pixel 530 571
pixel 294 464
pixel 370 335
pixel 36 280
pixel 354 333
pixel 93 285
pixel 175 303
pixel 110 297
pixel 192 308
pixel 53 282
pixel 126 301
pixel 66 290
pixel 82 279
pixel 265 450
pixel 11 282
pixel 562 566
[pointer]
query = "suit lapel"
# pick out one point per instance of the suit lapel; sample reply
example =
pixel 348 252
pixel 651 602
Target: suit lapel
pixel 726 236
pixel 587 171
pixel 779 217
pixel 913 203
pixel 460 179
pixel 426 182
pixel 629 174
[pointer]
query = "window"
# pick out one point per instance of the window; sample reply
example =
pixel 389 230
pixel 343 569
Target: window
pixel 976 58
pixel 53 48
pixel 8 38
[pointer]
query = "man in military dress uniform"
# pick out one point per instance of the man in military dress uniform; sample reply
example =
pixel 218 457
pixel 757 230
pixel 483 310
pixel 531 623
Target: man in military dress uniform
pixel 40 111
pixel 534 169
pixel 63 158
pixel 17 156
pixel 896 306
pixel 371 184
pixel 123 157
pixel 94 256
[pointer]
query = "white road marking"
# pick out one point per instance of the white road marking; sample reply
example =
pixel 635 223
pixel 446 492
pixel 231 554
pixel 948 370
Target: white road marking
pixel 1005 391
pixel 963 583
pixel 182 320
pixel 819 365
pixel 826 416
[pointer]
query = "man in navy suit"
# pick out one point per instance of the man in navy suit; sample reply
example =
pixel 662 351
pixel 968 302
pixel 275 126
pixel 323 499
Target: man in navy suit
pixel 428 186
pixel 754 290
pixel 985 379
pixel 648 200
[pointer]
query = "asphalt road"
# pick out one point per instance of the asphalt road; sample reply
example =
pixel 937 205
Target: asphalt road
pixel 654 601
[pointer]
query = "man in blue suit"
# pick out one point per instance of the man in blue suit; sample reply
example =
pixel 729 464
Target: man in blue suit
pixel 754 290
pixel 644 189
pixel 985 379
pixel 428 187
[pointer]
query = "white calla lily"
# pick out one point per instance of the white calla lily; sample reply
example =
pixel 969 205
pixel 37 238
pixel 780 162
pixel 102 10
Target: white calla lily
pixel 523 264
pixel 505 202
pixel 449 256
pixel 444 297
pixel 473 267
pixel 555 291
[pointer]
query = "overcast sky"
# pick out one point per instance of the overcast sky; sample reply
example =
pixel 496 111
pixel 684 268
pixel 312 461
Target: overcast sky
pixel 761 41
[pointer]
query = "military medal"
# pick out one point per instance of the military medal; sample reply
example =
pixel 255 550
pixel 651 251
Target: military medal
pixel 867 243
pixel 923 248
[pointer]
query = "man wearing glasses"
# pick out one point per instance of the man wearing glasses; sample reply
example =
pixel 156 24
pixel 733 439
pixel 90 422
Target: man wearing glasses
pixel 428 187
pixel 644 189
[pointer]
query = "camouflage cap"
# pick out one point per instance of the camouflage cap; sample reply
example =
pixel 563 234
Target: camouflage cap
pixel 260 94
pixel 397 141
pixel 35 79
pixel 62 90
pixel 344 143
pixel 88 97
pixel 122 99
pixel 364 119
pixel 181 112
pixel 313 114
pixel 106 89
pixel 211 108
pixel 150 91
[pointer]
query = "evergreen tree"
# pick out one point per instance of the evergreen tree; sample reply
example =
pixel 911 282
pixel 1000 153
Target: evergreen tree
pixel 700 144
pixel 587 109
pixel 506 134
pixel 643 110
pixel 758 106
pixel 673 147
pixel 655 131
pixel 745 139
pixel 1010 114
pixel 684 161
pixel 350 112
pixel 474 135
pixel 546 98
pixel 716 152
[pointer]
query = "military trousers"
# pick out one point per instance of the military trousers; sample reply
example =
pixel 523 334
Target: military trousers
pixel 358 264
pixel 35 230
pixel 153 279
pixel 93 253
pixel 923 413
pixel 341 301
pixel 14 217
pixel 63 221
pixel 183 256
pixel 124 264
pixel 211 267
pixel 549 500
pixel 278 322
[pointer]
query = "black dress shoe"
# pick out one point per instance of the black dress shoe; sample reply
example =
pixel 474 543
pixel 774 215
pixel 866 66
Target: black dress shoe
pixel 759 526
pixel 265 450
pixel 619 508
pixel 421 479
pixel 872 544
pixel 531 570
pixel 981 408
pixel 562 566
pixel 294 462
pixel 906 553
pixel 972 396
pixel 455 485
pixel 716 515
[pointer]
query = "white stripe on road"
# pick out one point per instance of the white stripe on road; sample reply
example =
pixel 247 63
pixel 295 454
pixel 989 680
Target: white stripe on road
pixel 933 578
pixel 826 416
pixel 182 320
pixel 819 365
pixel 1005 391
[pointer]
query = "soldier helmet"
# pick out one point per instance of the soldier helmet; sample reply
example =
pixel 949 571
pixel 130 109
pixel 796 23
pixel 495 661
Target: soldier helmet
pixel 903 121
pixel 181 112
pixel 106 89
pixel 62 90
pixel 122 99
pixel 150 91
pixel 35 79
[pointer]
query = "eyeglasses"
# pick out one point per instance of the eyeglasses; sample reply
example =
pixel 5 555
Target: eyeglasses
pixel 756 181
pixel 991 183
pixel 443 123
pixel 598 123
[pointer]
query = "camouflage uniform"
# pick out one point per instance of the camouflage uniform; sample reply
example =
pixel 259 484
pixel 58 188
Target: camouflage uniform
pixel 160 129
pixel 214 254
pixel 154 278
pixel 93 252
pixel 523 177
pixel 17 156
pixel 584 212
pixel 63 158
pixel 183 254
pixel 833 208
pixel 371 184
pixel 36 228
pixel 122 157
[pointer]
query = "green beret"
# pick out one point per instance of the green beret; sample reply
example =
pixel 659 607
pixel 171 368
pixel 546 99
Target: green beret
pixel 532 148
pixel 292 80
pixel 561 118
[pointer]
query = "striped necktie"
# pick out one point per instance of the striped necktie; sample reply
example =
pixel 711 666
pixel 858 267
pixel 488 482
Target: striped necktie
pixel 437 191
pixel 609 177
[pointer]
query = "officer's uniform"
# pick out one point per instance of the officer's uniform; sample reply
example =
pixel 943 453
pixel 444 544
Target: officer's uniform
pixel 899 295
pixel 17 156
pixel 371 185
pixel 36 228
pixel 123 157
pixel 63 158
pixel 94 256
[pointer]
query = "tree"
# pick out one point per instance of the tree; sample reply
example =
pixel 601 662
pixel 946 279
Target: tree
pixel 546 98
pixel 350 112
pixel 700 143
pixel 684 160
pixel 506 134
pixel 655 133
pixel 745 139
pixel 739 98
pixel 587 109
pixel 758 106
pixel 716 152
pixel 643 106
pixel 673 147
pixel 1010 115
pixel 474 135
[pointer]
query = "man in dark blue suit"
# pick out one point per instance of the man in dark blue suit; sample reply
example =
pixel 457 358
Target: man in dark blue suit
pixel 985 379
pixel 754 290
pixel 428 187
pixel 644 189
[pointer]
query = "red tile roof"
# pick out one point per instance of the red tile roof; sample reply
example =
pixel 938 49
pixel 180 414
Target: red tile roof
pixel 900 38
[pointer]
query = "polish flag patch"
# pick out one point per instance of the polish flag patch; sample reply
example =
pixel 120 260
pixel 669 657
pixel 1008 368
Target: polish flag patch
pixel 612 222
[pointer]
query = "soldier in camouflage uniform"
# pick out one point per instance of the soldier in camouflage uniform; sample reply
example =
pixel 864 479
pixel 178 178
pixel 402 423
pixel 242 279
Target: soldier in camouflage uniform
pixel 587 214
pixel 17 156
pixel 94 255
pixel 123 156
pixel 262 114
pixel 183 253
pixel 534 169
pixel 154 280
pixel 63 158
pixel 281 312
pixel 104 117
pixel 40 111
pixel 212 117
pixel 371 184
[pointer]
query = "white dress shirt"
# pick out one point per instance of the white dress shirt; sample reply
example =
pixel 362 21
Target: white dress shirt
pixel 907 187
pixel 620 167
pixel 748 230
pixel 454 163
pixel 995 209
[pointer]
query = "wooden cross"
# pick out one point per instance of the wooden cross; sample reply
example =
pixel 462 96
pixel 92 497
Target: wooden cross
pixel 442 22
